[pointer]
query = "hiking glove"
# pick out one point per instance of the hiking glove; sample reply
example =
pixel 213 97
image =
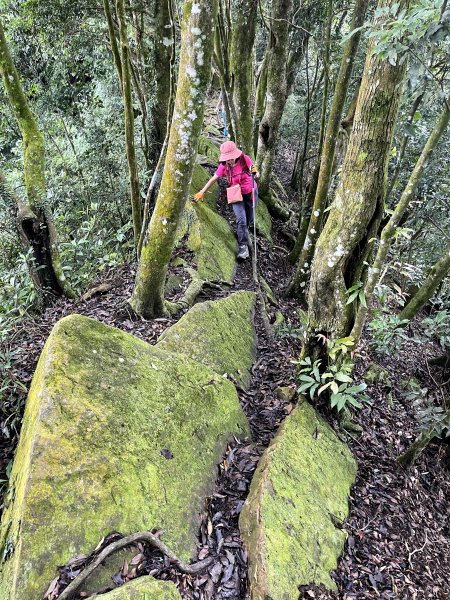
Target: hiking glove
pixel 199 196
pixel 255 172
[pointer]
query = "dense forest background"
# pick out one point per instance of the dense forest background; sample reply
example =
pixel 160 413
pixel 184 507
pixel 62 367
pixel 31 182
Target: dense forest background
pixel 344 108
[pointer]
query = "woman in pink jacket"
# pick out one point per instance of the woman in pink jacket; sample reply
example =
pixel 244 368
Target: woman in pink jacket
pixel 237 167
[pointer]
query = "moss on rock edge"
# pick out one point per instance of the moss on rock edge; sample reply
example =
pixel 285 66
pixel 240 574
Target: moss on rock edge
pixel 117 435
pixel 143 588
pixel 300 488
pixel 219 334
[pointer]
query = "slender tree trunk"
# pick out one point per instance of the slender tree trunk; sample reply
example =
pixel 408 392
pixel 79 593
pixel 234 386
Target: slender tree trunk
pixel 242 40
pixel 222 42
pixel 164 41
pixel 35 218
pixel 359 194
pixel 275 101
pixel 389 230
pixel 260 100
pixel 327 154
pixel 194 74
pixel 113 41
pixel 437 273
pixel 404 145
pixel 129 122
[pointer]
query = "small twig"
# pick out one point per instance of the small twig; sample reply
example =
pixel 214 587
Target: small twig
pixel 411 554
pixel 430 220
pixel 298 27
pixel 130 540
pixel 262 16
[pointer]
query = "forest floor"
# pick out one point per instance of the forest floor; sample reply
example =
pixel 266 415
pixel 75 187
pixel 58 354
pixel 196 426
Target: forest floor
pixel 398 543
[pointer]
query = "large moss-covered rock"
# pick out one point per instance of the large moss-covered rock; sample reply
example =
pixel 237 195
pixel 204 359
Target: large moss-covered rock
pixel 218 334
pixel 117 435
pixel 299 491
pixel 200 176
pixel 210 237
pixel 207 147
pixel 263 221
pixel 144 588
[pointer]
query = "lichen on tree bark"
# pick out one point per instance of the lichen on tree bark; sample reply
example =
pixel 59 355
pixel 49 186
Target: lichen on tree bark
pixel 194 72
pixel 360 193
pixel 35 219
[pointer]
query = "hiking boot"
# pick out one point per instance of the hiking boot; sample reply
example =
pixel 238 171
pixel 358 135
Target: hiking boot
pixel 242 252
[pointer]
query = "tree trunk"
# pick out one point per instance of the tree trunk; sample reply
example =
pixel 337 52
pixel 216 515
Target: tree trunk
pixel 404 145
pixel 275 101
pixel 437 273
pixel 359 194
pixel 222 43
pixel 164 41
pixel 327 154
pixel 241 69
pixel 194 74
pixel 389 230
pixel 35 219
pixel 129 123
pixel 260 100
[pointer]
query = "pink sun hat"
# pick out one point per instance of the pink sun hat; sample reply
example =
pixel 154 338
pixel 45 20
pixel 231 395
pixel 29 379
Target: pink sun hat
pixel 228 151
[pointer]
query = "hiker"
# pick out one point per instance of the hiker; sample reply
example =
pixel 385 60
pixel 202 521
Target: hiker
pixel 238 168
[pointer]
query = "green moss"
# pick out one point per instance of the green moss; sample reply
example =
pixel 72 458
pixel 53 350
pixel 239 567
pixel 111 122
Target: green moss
pixel 143 588
pixel 209 236
pixel 263 221
pixel 117 435
pixel 200 177
pixel 218 334
pixel 300 486
pixel 207 147
pixel 376 374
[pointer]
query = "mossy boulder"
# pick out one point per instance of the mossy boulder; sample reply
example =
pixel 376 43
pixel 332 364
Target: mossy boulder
pixel 117 435
pixel 210 237
pixel 143 588
pixel 299 491
pixel 263 221
pixel 219 334
pixel 200 176
pixel 207 147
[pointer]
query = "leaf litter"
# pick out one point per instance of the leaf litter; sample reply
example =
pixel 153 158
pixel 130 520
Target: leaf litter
pixel 398 527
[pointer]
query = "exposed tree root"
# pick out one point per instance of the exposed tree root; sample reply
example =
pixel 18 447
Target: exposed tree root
pixel 193 290
pixel 130 540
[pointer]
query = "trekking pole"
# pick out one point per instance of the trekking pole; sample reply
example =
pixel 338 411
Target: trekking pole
pixel 255 273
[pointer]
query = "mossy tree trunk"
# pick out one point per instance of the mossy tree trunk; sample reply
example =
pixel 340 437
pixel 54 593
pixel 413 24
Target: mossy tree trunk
pixel 327 154
pixel 389 230
pixel 164 41
pixel 359 195
pixel 436 275
pixel 222 43
pixel 276 97
pixel 242 67
pixel 34 217
pixel 260 100
pixel 194 74
pixel 129 122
